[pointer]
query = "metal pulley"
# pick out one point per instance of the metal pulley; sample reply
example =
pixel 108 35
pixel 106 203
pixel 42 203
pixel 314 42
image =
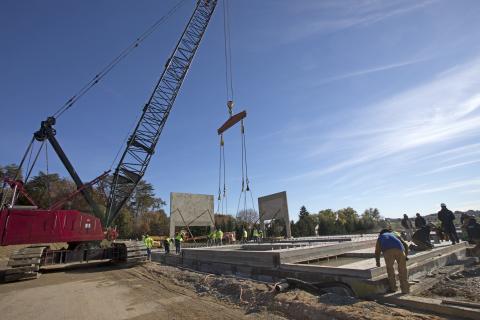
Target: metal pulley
pixel 230 105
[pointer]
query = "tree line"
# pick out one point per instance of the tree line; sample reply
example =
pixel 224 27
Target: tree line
pixel 343 221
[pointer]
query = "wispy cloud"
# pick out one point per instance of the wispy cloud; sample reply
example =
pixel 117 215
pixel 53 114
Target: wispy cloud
pixel 445 187
pixel 368 71
pixel 439 111
pixel 449 167
pixel 453 153
pixel 331 16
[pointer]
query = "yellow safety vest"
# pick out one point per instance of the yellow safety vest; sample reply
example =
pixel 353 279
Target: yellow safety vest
pixel 149 242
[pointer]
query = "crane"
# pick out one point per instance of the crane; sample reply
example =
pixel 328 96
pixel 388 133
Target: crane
pixel 30 225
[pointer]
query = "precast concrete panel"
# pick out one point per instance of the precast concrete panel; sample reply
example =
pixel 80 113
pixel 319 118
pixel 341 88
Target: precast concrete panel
pixel 275 206
pixel 190 209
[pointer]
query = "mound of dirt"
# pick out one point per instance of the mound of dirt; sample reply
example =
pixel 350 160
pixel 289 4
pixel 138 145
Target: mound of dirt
pixel 295 304
pixel 463 285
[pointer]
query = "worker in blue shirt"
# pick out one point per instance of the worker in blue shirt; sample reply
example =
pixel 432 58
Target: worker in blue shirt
pixel 393 250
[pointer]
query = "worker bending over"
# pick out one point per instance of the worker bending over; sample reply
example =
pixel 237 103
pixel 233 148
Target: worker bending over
pixel 421 239
pixel 473 230
pixel 393 250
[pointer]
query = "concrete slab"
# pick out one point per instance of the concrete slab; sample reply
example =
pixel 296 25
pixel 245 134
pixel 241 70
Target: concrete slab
pixel 318 252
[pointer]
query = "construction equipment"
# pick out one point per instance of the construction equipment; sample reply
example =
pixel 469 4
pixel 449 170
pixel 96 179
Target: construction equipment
pixel 83 232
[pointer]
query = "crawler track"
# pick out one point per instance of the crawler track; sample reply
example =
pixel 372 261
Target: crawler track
pixel 25 263
pixel 130 251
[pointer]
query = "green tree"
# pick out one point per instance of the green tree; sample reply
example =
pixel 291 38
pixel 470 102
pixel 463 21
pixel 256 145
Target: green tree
pixel 327 222
pixel 303 212
pixel 347 219
pixel 306 223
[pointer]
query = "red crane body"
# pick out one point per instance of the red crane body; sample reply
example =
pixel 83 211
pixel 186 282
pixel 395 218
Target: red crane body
pixel 23 226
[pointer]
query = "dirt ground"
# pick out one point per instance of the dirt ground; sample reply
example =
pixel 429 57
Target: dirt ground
pixel 153 291
pixel 462 286
pixel 106 292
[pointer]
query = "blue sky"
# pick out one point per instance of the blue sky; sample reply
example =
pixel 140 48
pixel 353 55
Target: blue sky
pixel 350 103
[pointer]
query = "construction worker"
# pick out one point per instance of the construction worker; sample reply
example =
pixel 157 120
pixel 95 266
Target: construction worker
pixel 473 230
pixel 219 236
pixel 446 217
pixel 211 237
pixel 166 244
pixel 399 237
pixel 255 235
pixel 244 236
pixel 407 225
pixel 420 221
pixel 421 239
pixel 393 250
pixel 178 242
pixel 149 244
pixel 464 221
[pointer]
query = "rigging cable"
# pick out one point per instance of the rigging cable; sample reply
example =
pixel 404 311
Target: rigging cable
pixel 224 180
pixel 220 175
pixel 123 54
pixel 34 162
pixel 47 176
pixel 227 51
pixel 222 192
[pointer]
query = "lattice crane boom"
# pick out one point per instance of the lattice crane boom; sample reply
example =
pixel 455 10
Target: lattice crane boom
pixel 141 144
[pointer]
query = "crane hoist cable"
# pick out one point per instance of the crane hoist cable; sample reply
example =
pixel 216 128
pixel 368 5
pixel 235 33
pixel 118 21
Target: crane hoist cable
pixel 227 51
pixel 112 64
